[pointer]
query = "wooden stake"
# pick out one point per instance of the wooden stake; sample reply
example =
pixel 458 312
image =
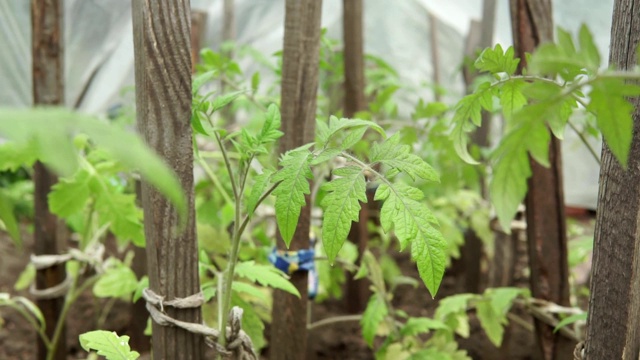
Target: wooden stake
pixel 48 89
pixel 532 24
pixel 613 327
pixel 298 106
pixel 163 98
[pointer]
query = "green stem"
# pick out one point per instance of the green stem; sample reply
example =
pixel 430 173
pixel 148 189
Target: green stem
pixel 40 328
pixel 247 217
pixel 333 320
pixel 71 297
pixel 215 180
pixel 228 282
pixel 106 309
pixel 227 163
pixel 585 142
pixel 248 95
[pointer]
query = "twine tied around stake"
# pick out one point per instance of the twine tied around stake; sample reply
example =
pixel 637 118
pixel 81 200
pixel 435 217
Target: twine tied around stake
pixel 41 262
pixel 239 344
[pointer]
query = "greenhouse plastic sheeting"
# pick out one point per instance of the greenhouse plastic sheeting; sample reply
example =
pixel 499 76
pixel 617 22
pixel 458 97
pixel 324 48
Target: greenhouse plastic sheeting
pixel 98 48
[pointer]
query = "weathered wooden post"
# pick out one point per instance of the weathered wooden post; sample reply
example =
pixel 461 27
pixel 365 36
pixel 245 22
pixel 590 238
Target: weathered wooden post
pixel 163 99
pixel 48 89
pixel 613 327
pixel 357 291
pixel 532 24
pixel 298 108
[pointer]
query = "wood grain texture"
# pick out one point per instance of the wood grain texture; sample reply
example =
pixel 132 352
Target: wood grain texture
pixel 357 291
pixel 613 327
pixel 546 223
pixel 163 98
pixel 298 107
pixel 48 78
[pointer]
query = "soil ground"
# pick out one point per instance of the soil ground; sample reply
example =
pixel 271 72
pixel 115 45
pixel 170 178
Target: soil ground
pixel 341 341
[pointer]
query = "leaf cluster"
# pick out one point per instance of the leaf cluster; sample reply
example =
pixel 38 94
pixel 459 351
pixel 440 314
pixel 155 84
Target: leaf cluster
pixel 560 78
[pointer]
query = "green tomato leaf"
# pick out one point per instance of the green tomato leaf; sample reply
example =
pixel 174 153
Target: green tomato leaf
pixel 497 61
pixel 108 344
pixel 421 325
pixel 399 157
pixel 342 206
pixel 70 195
pixel 270 130
pixel 614 114
pixel 118 281
pixel 121 212
pixel 257 190
pixel 413 223
pixel 290 194
pixel 224 100
pixel 265 275
pixel 373 316
pixel 511 97
pixel 588 49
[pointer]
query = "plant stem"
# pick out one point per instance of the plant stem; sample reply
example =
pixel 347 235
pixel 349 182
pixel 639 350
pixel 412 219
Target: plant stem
pixel 585 142
pixel 227 162
pixel 228 281
pixel 334 320
pixel 38 327
pixel 71 297
pixel 215 180
pixel 248 95
pixel 247 217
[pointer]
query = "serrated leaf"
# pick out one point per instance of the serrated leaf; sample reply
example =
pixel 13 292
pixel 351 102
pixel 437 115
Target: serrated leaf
pixel 432 109
pixel 497 61
pixel 561 58
pixel 508 185
pixel 108 344
pixel 353 137
pixel 492 311
pixel 260 184
pixel 421 325
pixel 373 315
pixel 338 126
pixel 121 212
pixel 614 114
pixel 342 206
pixel 511 97
pixel 13 155
pixel 224 100
pixel 470 108
pixel 270 130
pixel 410 220
pixel 70 195
pixel 325 155
pixel 588 48
pixel 249 289
pixel 116 282
pixel 397 156
pixel 265 275
pixel 290 194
